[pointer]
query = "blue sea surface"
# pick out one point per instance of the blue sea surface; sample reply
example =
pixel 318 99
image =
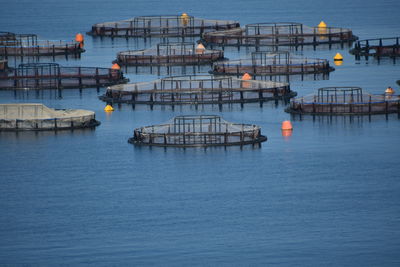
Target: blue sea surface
pixel 329 195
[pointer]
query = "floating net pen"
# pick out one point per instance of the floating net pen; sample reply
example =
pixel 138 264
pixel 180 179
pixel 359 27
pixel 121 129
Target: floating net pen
pixel 278 34
pixel 198 131
pixel 29 45
pixel 54 76
pixel 169 54
pixel 203 89
pixel 272 63
pixel 344 101
pixel 161 26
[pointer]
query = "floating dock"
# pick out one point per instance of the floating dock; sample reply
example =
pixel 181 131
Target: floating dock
pixel 272 63
pixel 279 34
pixel 198 131
pixel 199 89
pixel 54 76
pixel 161 26
pixel 25 45
pixel 169 54
pixel 344 101
pixel 37 117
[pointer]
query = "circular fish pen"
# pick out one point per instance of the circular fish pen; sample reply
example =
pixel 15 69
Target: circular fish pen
pixel 161 26
pixel 278 34
pixel 37 117
pixel 380 47
pixel 197 90
pixel 198 131
pixel 272 63
pixel 54 76
pixel 22 45
pixel 344 101
pixel 169 54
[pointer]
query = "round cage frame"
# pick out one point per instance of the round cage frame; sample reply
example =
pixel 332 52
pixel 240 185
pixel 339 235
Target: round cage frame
pixel 198 131
pixel 279 34
pixel 197 89
pixel 161 26
pixel 272 63
pixel 379 47
pixel 344 101
pixel 22 45
pixel 54 76
pixel 169 54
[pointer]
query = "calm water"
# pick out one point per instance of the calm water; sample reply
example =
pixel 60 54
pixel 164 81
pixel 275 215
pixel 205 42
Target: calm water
pixel 328 195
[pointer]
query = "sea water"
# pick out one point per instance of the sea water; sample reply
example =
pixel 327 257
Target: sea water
pixel 327 195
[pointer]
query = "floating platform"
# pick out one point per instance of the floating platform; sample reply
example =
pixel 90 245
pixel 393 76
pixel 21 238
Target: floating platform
pixel 198 131
pixel 161 26
pixel 344 101
pixel 203 89
pixel 272 63
pixel 37 117
pixel 380 47
pixel 22 45
pixel 54 76
pixel 278 34
pixel 169 54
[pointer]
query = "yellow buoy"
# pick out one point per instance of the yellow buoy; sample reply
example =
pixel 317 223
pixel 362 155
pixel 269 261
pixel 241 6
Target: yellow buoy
pixel 338 57
pixel 338 62
pixel 185 19
pixel 389 90
pixel 108 108
pixel 322 24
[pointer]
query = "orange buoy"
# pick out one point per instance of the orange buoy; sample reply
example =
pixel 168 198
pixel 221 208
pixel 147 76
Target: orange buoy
pixel 246 77
pixel 287 133
pixel 200 49
pixel 115 66
pixel 79 38
pixel 287 125
pixel 389 90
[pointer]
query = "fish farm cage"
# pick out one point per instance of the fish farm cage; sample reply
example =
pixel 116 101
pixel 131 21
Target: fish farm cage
pixel 380 47
pixel 37 117
pixel 203 89
pixel 161 26
pixel 54 76
pixel 344 101
pixel 198 131
pixel 169 54
pixel 278 34
pixel 272 63
pixel 29 45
